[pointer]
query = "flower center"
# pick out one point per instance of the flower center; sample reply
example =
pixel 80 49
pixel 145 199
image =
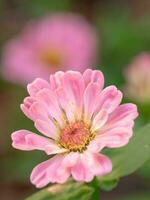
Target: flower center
pixel 76 136
pixel 51 58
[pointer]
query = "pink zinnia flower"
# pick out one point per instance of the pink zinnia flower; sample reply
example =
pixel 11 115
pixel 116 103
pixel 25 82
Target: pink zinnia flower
pixel 138 78
pixel 77 118
pixel 50 44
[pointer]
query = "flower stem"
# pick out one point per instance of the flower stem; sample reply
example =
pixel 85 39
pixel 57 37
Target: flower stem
pixel 95 185
pixel 96 194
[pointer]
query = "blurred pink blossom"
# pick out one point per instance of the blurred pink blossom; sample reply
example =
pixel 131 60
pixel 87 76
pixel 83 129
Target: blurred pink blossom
pixel 59 41
pixel 138 78
pixel 78 118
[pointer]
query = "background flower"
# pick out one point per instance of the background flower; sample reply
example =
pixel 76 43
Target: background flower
pixel 59 41
pixel 138 78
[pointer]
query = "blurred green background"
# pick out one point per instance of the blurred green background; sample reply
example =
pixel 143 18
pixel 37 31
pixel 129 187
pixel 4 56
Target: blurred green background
pixel 123 28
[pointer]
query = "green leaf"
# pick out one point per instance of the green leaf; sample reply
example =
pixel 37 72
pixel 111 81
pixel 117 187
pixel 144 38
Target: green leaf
pixel 106 185
pixel 145 170
pixel 109 185
pixel 67 191
pixel 128 159
pixel 19 165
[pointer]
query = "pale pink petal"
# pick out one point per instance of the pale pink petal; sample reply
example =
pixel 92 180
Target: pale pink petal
pixel 99 164
pixel 113 138
pixel 70 159
pixel 56 80
pixel 91 98
pixel 81 171
pixel 122 116
pixel 49 171
pixel 27 140
pixel 110 98
pixel 118 129
pixel 38 111
pixel 117 136
pixel 94 76
pixel 70 95
pixel 39 174
pixel 48 128
pixel 25 106
pixel 74 87
pixel 53 148
pixel 49 99
pixel 99 120
pixel 36 86
pixel 69 109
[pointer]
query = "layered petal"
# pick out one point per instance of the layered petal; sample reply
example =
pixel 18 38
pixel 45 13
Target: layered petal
pixel 47 128
pixel 50 171
pixel 34 109
pixel 99 164
pixel 70 159
pixel 110 98
pixel 49 99
pixel 68 108
pixel 91 99
pixel 113 138
pixel 81 171
pixel 56 80
pixel 73 88
pixel 99 120
pixel 94 76
pixel 89 165
pixel 122 116
pixel 117 131
pixel 26 105
pixel 36 86
pixel 38 111
pixel 27 141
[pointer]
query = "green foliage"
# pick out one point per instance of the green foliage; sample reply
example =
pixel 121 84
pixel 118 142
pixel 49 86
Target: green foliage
pixel 108 185
pixel 68 191
pixel 145 170
pixel 18 163
pixel 128 159
pixel 20 172
pixel 121 40
pixel 38 7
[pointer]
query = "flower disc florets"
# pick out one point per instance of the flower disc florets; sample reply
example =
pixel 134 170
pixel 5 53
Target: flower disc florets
pixel 76 136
